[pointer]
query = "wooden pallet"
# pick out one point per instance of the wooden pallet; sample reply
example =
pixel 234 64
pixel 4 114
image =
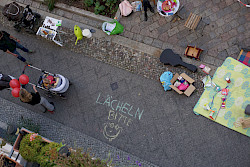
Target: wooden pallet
pixel 192 21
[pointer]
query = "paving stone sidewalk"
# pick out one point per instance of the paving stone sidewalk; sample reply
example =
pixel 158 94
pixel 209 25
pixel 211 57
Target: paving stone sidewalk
pixel 162 129
pixel 228 30
pixel 58 132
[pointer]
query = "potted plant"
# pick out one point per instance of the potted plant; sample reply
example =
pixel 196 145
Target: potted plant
pixel 5 161
pixel 20 136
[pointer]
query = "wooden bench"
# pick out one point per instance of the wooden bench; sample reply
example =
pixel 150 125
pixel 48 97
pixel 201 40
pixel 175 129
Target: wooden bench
pixel 192 21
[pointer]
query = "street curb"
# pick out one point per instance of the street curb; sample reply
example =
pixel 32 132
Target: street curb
pixel 100 34
pixel 82 12
pixel 63 133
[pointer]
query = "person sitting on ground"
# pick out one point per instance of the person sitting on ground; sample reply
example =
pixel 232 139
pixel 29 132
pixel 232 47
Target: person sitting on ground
pixel 146 5
pixel 4 81
pixel 35 98
pixel 9 44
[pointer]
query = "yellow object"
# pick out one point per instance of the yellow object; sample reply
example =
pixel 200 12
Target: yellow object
pixel 78 33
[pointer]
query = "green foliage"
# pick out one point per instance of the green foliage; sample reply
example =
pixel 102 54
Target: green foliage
pixel 80 159
pixel 30 150
pixel 99 8
pixel 47 155
pixel 51 4
pixel 88 2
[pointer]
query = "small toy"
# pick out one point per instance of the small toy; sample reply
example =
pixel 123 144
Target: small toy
pixel 216 87
pixel 224 91
pixel 228 80
pixel 177 83
pixel 206 107
pixel 78 33
pixel 33 136
pixel 202 66
pixel 223 105
pixel 206 69
pixel 180 78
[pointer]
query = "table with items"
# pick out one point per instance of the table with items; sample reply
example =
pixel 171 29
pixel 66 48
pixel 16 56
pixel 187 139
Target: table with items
pixel 49 29
pixel 168 7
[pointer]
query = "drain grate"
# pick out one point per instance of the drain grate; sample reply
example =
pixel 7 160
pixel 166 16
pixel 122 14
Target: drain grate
pixel 114 86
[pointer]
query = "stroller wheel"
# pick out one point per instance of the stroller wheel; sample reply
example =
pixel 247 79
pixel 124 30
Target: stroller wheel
pixel 62 96
pixel 70 83
pixel 37 15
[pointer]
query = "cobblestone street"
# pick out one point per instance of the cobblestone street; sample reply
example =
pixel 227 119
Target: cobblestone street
pixel 117 103
pixel 227 32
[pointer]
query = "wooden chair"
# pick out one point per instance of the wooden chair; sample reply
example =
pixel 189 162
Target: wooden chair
pixel 192 21
pixel 149 0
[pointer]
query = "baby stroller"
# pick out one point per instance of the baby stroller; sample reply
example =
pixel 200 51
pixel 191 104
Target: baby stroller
pixel 54 84
pixel 23 17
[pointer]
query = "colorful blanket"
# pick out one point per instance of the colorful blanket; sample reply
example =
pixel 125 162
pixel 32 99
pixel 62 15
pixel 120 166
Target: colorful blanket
pixel 236 100
pixel 244 57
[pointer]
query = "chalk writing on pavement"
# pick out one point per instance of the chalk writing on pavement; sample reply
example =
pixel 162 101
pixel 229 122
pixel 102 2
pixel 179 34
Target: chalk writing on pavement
pixel 120 115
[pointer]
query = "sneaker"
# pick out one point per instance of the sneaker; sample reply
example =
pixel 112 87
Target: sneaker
pixel 45 110
pixel 51 112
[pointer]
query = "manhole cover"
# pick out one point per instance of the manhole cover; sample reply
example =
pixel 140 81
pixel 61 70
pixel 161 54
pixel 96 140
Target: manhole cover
pixel 114 86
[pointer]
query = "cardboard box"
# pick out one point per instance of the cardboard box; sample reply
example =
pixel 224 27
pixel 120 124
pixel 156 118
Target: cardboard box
pixel 189 90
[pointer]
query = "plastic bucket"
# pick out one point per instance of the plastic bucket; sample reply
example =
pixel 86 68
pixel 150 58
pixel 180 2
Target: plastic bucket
pixel 86 33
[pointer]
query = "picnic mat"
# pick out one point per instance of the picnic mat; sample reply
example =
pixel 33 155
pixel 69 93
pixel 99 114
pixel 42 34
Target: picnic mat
pixel 236 100
pixel 244 57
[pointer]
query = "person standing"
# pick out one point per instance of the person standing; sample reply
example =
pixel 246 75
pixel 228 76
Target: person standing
pixel 9 44
pixel 146 5
pixel 35 98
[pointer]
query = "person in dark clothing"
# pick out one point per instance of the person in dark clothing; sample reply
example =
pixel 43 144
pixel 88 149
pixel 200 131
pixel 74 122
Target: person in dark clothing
pixel 9 44
pixel 4 81
pixel 146 5
pixel 35 98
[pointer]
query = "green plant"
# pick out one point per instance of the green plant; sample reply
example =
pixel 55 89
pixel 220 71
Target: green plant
pixel 80 159
pixel 30 150
pixel 88 2
pixel 99 8
pixel 51 4
pixel 47 155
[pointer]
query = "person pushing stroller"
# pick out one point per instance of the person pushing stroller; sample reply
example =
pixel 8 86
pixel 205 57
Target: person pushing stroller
pixel 9 44
pixel 35 98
